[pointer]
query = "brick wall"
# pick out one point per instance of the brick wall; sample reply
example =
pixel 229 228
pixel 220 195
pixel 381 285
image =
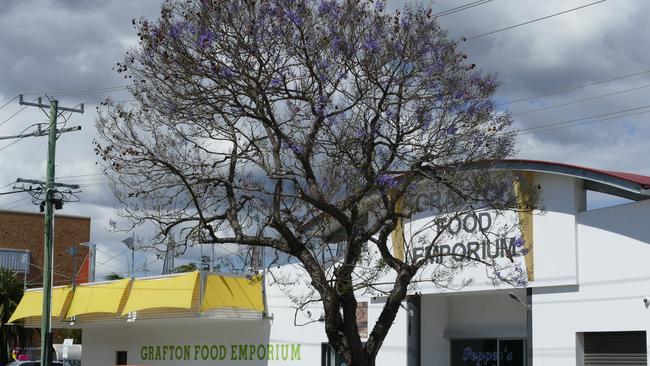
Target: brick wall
pixel 24 230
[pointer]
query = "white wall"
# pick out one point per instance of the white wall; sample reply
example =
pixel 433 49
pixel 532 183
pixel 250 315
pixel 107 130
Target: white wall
pixel 469 315
pixel 554 230
pixel 613 258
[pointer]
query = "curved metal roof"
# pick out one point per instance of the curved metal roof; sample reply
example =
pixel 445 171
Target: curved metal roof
pixel 631 186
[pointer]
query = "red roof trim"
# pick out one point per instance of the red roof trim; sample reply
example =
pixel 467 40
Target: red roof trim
pixel 642 180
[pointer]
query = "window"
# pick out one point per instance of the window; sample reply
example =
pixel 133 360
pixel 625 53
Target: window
pixel 489 352
pixel 614 348
pixel 329 357
pixel 120 358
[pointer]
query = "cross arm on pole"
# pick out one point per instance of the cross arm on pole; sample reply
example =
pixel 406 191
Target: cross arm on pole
pixel 40 182
pixel 41 105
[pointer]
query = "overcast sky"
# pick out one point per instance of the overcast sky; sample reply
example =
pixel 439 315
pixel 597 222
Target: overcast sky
pixel 59 47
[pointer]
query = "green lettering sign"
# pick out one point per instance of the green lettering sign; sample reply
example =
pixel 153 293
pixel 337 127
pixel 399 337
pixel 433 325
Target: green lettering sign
pixel 220 352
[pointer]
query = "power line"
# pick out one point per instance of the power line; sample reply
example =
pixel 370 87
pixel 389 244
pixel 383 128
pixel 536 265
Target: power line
pixel 112 258
pixel 584 123
pixel 19 137
pixel 532 21
pixel 461 8
pixel 12 116
pixel 18 206
pixel 575 87
pixel 13 202
pixel 582 100
pixel 83 91
pixel 75 176
pixel 7 185
pixel 637 110
pixel 6 104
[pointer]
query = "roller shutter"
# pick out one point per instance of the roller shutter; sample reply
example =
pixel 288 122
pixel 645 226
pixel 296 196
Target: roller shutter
pixel 615 348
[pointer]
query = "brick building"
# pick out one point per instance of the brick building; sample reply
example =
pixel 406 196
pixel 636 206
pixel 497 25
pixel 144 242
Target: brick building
pixel 24 231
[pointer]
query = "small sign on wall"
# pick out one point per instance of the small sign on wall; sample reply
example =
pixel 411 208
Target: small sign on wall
pixel 362 319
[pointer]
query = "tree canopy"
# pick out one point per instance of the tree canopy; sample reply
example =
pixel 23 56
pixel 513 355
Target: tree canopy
pixel 268 123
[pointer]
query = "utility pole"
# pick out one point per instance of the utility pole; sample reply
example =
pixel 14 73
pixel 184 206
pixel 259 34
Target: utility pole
pixel 50 190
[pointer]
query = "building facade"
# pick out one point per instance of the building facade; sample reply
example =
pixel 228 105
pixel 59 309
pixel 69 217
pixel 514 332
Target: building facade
pixel 585 301
pixel 21 245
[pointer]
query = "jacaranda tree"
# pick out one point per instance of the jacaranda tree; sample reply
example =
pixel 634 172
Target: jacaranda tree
pixel 266 124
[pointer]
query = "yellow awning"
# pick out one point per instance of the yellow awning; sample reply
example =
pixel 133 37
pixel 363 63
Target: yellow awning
pixel 103 297
pixel 233 292
pixel 31 305
pixel 164 292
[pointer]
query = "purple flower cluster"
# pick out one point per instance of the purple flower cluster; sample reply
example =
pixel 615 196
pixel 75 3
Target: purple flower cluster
pixel 294 17
pixel 275 82
pixel 321 104
pixel 387 181
pixel 176 29
pixel 226 72
pixel 326 7
pixel 380 5
pixel 446 132
pixel 391 115
pixel 427 120
pixel 521 279
pixel 370 44
pixel 519 242
pixel 205 39
pixel 296 147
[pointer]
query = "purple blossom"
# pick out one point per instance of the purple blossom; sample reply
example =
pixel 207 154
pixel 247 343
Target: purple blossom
pixel 438 66
pixel 294 17
pixel 176 29
pixel 387 181
pixel 445 132
pixel 296 147
pixel 332 121
pixel 380 5
pixel 499 275
pixel 205 39
pixel 519 242
pixel 490 81
pixel 326 184
pixel 475 78
pixel 427 120
pixel 226 72
pixel 322 63
pixel 274 83
pixel 521 282
pixel 390 114
pixel 326 7
pixel 478 140
pixel 321 103
pixel 405 21
pixel 338 44
pixel 370 44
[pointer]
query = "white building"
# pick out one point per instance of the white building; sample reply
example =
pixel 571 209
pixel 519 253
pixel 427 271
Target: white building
pixel 586 301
